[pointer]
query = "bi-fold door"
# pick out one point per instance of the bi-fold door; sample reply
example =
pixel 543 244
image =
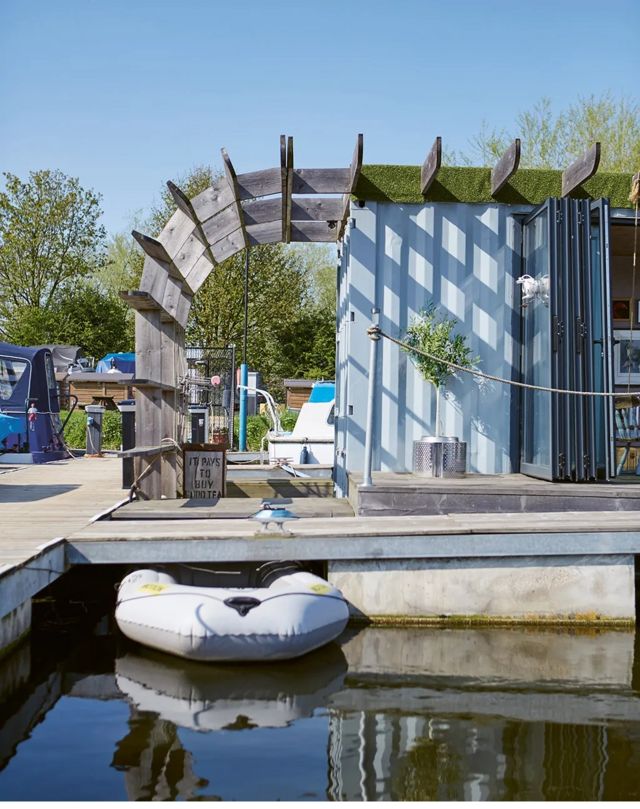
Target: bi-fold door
pixel 566 342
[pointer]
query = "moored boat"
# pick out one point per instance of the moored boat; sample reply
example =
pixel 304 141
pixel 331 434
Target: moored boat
pixel 176 609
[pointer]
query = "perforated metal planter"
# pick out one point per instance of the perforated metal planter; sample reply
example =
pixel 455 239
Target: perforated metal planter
pixel 441 457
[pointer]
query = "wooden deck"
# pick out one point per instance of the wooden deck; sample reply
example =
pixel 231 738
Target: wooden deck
pixel 40 503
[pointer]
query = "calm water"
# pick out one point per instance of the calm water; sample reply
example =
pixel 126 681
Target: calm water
pixel 386 714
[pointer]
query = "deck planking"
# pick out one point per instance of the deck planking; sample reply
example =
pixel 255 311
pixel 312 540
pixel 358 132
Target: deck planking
pixel 40 503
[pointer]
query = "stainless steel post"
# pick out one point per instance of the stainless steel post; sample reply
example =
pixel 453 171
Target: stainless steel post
pixel 374 335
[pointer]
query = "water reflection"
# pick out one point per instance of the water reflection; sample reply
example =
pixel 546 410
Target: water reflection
pixel 496 714
pixel 402 714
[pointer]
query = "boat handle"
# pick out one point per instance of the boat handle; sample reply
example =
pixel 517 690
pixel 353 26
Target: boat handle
pixel 242 604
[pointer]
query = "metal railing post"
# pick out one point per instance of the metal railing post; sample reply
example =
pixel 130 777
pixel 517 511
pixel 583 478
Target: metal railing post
pixel 374 335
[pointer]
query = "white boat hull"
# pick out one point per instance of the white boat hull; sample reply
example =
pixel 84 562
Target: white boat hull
pixel 297 613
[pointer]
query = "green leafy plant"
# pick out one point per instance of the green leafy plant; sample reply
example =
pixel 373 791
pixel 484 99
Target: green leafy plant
pixel 432 333
pixel 75 433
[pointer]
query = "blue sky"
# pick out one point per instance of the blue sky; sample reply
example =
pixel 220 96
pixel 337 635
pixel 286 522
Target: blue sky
pixel 126 94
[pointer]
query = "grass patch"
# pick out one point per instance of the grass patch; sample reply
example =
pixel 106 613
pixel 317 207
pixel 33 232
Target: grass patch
pixel 401 184
pixel 75 433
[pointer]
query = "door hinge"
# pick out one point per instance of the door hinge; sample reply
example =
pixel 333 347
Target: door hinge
pixel 557 332
pixel 561 464
pixel 559 216
pixel 581 333
pixel 580 217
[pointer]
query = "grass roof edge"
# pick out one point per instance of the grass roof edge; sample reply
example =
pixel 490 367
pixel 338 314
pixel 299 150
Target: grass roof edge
pixel 401 184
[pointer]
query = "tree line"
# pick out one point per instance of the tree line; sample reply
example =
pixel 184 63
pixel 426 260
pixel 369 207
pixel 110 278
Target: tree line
pixel 60 275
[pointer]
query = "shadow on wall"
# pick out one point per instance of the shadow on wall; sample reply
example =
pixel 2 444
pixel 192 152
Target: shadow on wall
pixel 466 259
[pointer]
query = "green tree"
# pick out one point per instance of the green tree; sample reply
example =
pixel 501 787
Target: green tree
pixel 432 334
pixel 554 140
pixel 291 296
pixel 50 238
pixel 85 315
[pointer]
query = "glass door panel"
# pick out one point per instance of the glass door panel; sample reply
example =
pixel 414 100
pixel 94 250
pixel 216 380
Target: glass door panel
pixel 539 344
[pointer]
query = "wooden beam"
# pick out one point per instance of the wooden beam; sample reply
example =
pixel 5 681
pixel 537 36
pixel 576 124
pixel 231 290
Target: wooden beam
pixel 152 247
pixel 581 169
pixel 221 225
pixel 356 166
pixel 431 165
pixel 213 199
pixel 137 299
pixel 265 233
pixel 321 181
pixel 284 185
pixel 259 211
pixel 287 201
pixel 158 262
pixel 314 231
pixel 232 180
pixel 506 167
pixel 186 206
pixel 259 183
pixel 318 209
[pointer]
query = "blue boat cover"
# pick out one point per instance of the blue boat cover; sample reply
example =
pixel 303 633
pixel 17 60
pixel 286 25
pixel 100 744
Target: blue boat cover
pixel 323 392
pixel 11 425
pixel 124 361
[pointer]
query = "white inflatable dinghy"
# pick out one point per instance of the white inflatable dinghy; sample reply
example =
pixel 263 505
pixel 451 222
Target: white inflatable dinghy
pixel 290 613
pixel 205 697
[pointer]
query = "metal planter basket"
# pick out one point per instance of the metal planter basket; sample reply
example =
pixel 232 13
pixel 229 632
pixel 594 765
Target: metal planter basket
pixel 439 457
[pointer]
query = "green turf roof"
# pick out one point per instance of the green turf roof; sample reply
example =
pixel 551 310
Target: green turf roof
pixel 463 184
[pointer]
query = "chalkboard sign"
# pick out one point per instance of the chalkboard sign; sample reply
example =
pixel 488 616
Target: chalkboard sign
pixel 204 471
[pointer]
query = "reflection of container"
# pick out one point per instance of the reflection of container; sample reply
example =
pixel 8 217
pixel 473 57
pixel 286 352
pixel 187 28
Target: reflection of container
pixel 438 457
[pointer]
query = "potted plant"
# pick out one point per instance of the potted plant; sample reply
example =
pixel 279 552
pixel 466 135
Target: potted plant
pixel 432 333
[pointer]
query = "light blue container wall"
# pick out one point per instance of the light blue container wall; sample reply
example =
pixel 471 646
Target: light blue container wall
pixel 399 257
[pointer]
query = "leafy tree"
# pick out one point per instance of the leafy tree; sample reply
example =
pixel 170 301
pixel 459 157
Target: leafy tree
pixel 50 239
pixel 291 296
pixel 85 315
pixel 554 140
pixel 432 333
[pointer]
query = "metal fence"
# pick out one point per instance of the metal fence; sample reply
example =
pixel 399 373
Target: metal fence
pixel 210 382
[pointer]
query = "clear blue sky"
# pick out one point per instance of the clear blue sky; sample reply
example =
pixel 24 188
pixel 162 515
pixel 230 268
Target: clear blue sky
pixel 126 94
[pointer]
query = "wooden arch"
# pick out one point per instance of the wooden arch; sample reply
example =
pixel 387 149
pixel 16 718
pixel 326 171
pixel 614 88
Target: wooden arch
pixel 281 204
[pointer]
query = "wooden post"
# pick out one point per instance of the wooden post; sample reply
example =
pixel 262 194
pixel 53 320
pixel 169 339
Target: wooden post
pixel 149 422
pixel 431 165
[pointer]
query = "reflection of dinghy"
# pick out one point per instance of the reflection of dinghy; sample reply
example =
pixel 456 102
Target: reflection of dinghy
pixel 204 697
pixel 286 614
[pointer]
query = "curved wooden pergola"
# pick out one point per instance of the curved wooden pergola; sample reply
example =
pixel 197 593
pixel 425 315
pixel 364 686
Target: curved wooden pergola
pixel 281 204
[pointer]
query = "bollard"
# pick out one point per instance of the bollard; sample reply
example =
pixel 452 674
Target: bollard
pixel 94 429
pixel 128 409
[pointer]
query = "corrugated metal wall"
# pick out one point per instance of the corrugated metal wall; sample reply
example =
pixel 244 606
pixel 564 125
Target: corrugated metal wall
pixel 398 257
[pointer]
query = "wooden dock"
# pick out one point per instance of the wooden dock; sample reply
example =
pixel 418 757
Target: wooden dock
pixel 41 503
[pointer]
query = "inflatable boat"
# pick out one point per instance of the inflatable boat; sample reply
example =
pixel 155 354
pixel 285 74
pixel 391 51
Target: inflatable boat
pixel 205 697
pixel 288 613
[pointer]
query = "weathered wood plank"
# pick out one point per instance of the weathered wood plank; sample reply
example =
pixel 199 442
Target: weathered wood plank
pixel 431 165
pixel 356 166
pixel 506 167
pixel 259 211
pixel 152 247
pixel 581 169
pixel 318 209
pixel 314 231
pixel 221 225
pixel 183 309
pixel 199 272
pixel 146 452
pixel 188 255
pixel 232 180
pixel 140 300
pixel 188 212
pixel 230 245
pixel 265 233
pixel 148 399
pixel 286 203
pixel 176 232
pixel 259 183
pixel 212 200
pixel 285 185
pixel 321 181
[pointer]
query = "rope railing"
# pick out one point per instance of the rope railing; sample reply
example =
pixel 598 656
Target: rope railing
pixel 375 333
